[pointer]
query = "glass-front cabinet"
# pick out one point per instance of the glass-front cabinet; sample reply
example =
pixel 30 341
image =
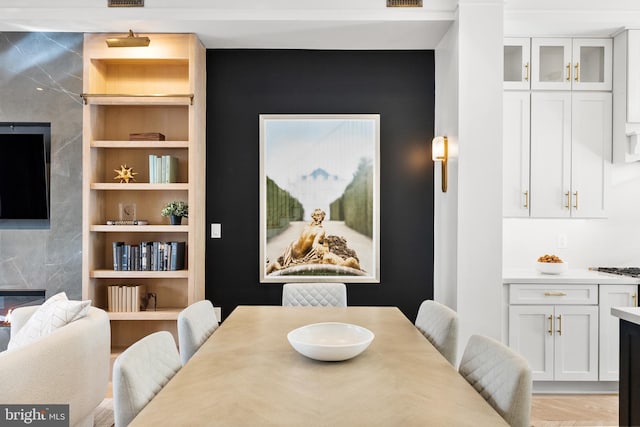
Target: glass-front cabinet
pixel 517 63
pixel 571 64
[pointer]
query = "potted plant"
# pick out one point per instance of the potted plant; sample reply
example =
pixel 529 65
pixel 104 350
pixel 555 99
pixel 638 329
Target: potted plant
pixel 176 210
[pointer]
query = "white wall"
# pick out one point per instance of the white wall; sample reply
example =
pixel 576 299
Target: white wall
pixel 480 169
pixel 468 218
pixel 446 204
pixel 614 241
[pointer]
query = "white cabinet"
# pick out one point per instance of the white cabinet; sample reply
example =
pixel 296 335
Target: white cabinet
pixel 571 64
pixel 517 63
pixel 515 154
pixel 626 96
pixel 633 81
pixel 612 296
pixel 559 338
pixel 570 153
pixel 557 126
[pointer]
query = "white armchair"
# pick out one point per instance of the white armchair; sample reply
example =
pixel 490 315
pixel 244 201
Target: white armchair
pixel 69 366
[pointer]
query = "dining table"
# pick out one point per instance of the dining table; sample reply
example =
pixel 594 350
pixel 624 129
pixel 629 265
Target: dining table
pixel 248 374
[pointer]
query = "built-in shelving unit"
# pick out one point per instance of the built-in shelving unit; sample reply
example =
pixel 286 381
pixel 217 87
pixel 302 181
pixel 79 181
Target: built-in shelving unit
pixel 154 89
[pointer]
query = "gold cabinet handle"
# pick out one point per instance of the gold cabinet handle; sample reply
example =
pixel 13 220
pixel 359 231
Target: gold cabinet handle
pixel 577 67
pixel 568 196
pixel 550 318
pixel 526 72
pixel 555 294
pixel 635 301
pixel 560 325
pixel 569 72
pixel 576 205
pixel 526 199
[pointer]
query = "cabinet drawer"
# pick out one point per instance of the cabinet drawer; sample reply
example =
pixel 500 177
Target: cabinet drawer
pixel 553 294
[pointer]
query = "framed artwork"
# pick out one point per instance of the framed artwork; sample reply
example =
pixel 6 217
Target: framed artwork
pixel 320 198
pixel 126 211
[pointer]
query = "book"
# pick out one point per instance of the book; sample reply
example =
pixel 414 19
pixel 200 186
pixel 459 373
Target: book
pixel 110 293
pixel 139 298
pixel 152 169
pixel 146 136
pixel 173 169
pixel 170 169
pixel 124 263
pixel 145 253
pixel 128 304
pixel 117 255
pixel 177 256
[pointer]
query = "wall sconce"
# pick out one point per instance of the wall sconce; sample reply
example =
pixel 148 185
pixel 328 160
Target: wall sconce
pixel 130 41
pixel 440 153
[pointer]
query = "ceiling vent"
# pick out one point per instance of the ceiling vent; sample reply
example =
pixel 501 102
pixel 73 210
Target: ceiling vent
pixel 404 3
pixel 126 3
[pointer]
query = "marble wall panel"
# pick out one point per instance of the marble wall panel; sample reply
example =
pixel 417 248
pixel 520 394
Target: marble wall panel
pixel 41 81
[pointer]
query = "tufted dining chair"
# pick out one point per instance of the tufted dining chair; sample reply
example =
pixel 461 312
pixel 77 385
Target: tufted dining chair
pixel 140 372
pixel 439 324
pixel 314 294
pixel 501 376
pixel 195 324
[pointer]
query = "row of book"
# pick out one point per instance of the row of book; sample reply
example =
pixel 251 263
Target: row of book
pixel 149 256
pixel 126 298
pixel 163 169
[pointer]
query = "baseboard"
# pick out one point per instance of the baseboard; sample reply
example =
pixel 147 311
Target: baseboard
pixel 575 387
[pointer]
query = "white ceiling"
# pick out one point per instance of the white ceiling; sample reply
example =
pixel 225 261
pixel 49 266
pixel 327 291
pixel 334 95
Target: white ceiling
pixel 319 24
pixel 570 17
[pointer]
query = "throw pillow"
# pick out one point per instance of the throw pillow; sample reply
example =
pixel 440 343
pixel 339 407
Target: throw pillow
pixel 54 313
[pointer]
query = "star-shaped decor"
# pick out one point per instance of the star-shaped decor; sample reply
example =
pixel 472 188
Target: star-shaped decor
pixel 125 174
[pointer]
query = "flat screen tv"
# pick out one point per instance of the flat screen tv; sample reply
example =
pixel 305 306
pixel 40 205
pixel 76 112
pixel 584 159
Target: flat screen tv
pixel 25 165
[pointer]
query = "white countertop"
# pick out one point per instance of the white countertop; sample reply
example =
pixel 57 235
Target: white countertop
pixel 630 314
pixel 578 275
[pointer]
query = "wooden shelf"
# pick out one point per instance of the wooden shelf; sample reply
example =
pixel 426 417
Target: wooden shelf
pixel 140 228
pixel 140 144
pixel 160 314
pixel 134 274
pixel 138 186
pixel 139 99
pixel 129 91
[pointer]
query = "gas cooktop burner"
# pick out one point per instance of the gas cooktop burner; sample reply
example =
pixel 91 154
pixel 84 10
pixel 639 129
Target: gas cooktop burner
pixel 622 271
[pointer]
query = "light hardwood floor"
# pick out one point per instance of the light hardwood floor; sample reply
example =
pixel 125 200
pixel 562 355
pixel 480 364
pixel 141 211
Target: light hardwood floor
pixel 547 410
pixel 551 410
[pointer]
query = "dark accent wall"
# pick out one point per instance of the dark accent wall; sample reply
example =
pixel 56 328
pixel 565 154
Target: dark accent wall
pixel 398 85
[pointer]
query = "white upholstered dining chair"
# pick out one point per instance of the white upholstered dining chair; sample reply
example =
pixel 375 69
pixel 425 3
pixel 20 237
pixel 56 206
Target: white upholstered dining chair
pixel 314 294
pixel 501 376
pixel 439 324
pixel 196 323
pixel 140 372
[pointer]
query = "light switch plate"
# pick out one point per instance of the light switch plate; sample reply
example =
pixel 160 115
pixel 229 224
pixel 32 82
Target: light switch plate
pixel 562 241
pixel 216 231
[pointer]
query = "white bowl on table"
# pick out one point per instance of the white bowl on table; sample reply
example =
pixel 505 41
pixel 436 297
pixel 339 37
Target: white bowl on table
pixel 330 341
pixel 552 267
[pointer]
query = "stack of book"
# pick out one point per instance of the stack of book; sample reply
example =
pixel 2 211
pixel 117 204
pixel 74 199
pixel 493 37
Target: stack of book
pixel 126 298
pixel 163 169
pixel 149 256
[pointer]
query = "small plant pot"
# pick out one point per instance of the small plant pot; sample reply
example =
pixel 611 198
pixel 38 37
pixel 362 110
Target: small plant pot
pixel 175 220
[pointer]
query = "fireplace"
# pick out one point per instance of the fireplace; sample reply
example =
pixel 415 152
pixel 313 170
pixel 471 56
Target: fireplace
pixel 13 298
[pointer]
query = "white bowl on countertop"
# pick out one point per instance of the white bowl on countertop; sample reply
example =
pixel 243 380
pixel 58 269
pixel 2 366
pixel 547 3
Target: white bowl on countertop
pixel 552 267
pixel 330 341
